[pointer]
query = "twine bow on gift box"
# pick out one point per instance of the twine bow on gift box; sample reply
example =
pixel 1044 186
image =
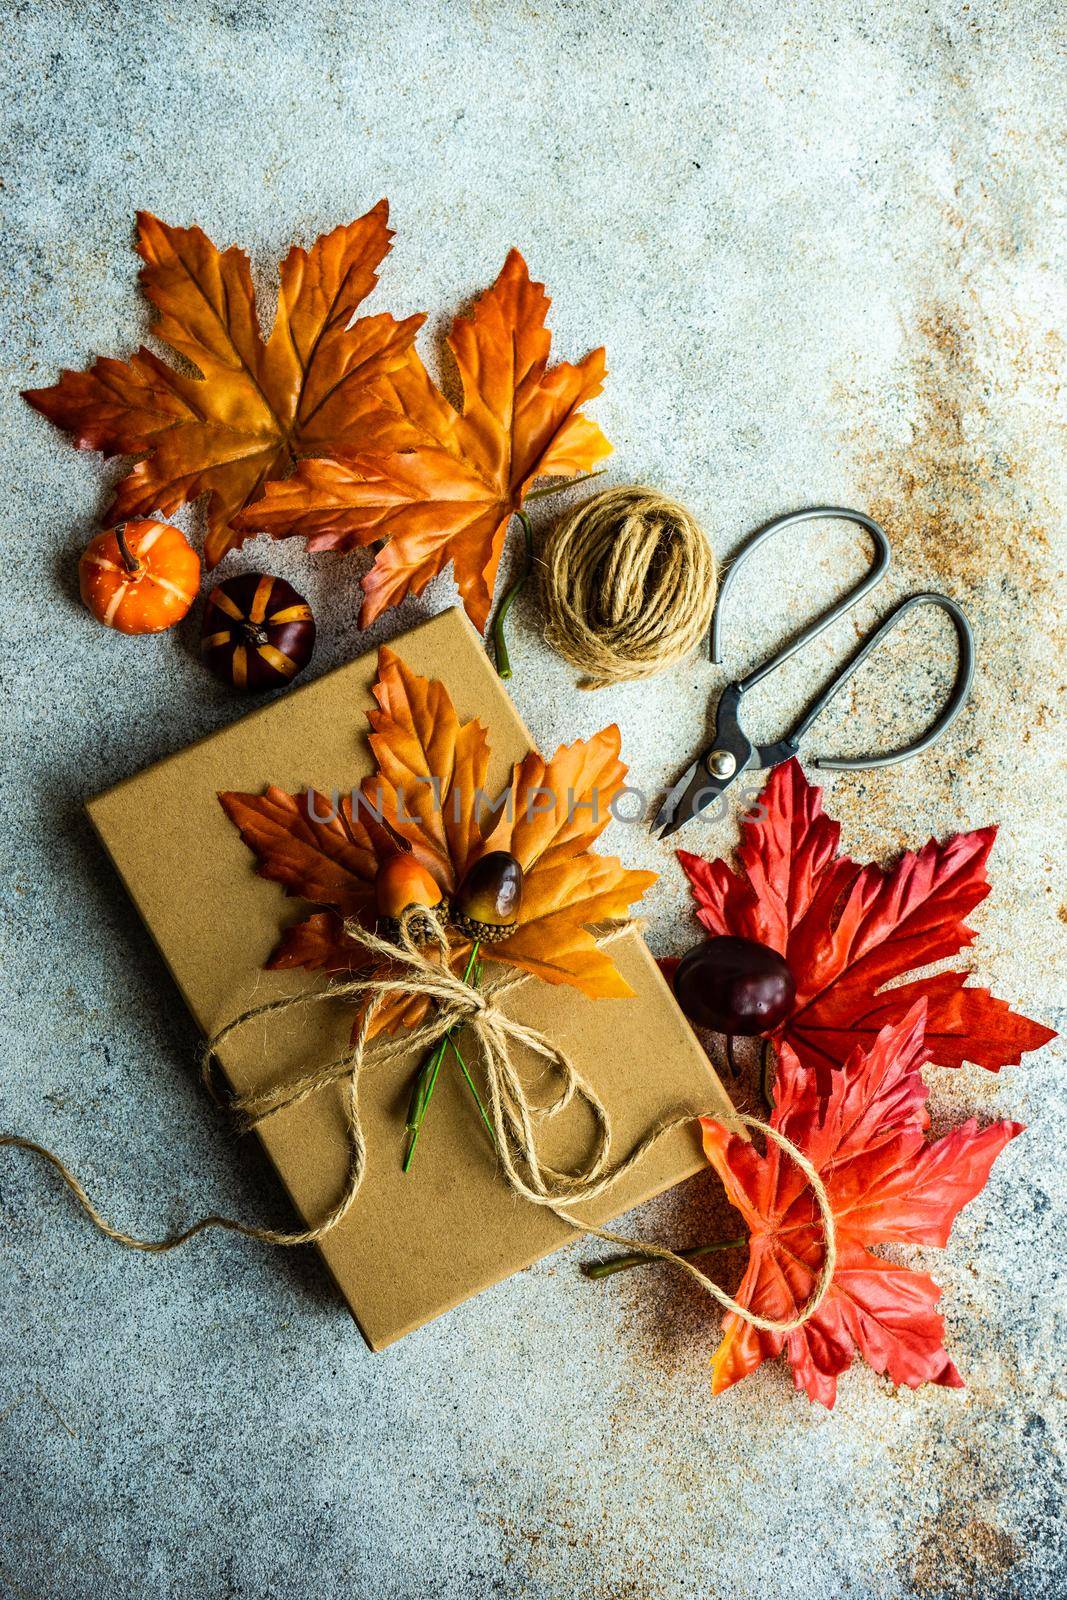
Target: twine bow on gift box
pixel 512 1116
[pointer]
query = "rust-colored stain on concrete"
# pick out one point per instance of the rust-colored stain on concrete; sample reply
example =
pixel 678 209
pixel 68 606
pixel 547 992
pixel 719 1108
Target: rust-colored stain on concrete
pixel 959 507
pixel 962 1556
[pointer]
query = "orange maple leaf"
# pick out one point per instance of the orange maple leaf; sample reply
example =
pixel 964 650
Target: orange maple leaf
pixel 446 483
pixel 258 405
pixel 427 789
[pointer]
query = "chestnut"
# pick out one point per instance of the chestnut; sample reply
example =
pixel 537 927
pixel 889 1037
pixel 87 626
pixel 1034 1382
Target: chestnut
pixel 487 903
pixel 734 986
pixel 258 633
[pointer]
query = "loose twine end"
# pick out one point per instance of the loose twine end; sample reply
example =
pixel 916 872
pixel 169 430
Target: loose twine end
pixel 515 1118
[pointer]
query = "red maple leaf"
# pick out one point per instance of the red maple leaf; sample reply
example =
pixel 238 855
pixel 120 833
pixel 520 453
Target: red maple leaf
pixel 887 1184
pixel 848 931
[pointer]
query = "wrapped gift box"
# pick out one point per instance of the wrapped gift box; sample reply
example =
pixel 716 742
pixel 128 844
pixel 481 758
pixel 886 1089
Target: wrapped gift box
pixel 418 1244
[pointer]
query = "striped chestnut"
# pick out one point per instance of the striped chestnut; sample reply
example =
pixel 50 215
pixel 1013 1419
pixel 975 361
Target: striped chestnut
pixel 487 903
pixel 258 632
pixel 140 577
pixel 403 884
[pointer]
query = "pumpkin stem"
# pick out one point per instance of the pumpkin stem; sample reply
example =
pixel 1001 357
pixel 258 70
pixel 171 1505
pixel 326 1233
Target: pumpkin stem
pixel 253 633
pixel 129 560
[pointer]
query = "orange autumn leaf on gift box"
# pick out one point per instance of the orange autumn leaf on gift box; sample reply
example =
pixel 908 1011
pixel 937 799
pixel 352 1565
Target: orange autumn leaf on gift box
pixel 887 1183
pixel 447 487
pixel 256 405
pixel 430 776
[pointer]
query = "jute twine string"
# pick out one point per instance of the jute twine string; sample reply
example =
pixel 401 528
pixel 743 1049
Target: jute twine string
pixel 629 585
pixel 515 1117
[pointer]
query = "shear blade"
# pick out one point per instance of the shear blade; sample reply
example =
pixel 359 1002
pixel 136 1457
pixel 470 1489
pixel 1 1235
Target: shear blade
pixel 672 813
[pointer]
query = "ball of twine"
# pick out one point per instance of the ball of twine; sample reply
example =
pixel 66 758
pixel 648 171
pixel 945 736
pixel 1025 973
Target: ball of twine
pixel 629 585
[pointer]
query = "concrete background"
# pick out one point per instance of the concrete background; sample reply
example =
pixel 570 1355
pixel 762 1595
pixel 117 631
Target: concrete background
pixel 824 246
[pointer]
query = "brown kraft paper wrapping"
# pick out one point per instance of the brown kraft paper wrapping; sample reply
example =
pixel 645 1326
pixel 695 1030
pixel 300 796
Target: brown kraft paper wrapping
pixel 415 1245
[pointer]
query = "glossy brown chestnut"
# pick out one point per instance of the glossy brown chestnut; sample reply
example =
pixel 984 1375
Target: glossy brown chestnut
pixel 258 633
pixel 734 986
pixel 487 903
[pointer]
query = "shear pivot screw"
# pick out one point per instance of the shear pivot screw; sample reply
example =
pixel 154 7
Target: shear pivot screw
pixel 721 764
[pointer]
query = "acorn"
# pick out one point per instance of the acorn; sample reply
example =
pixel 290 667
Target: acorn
pixel 487 903
pixel 258 633
pixel 403 884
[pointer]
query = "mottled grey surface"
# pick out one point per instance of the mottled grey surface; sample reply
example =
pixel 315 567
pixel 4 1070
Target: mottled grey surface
pixel 824 246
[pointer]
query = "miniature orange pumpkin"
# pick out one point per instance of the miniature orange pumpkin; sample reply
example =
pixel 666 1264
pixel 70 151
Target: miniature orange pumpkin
pixel 140 577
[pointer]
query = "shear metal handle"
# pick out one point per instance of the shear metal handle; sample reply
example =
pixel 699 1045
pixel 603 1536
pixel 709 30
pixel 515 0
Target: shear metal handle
pixel 945 718
pixel 813 629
